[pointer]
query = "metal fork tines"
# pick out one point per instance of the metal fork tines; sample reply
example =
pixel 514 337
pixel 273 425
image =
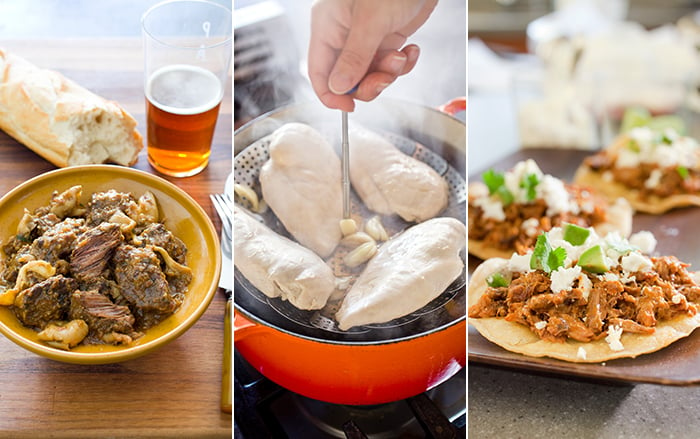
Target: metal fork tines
pixel 224 207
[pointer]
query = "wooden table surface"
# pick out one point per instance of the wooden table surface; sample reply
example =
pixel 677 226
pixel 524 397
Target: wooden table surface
pixel 173 392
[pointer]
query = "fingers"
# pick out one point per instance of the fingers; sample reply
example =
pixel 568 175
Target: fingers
pixel 386 70
pixel 338 102
pixel 365 34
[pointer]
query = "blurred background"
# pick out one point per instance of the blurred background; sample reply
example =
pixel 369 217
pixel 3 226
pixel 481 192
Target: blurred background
pixel 561 73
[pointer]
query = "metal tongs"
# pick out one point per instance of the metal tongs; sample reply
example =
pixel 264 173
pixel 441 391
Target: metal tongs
pixel 345 162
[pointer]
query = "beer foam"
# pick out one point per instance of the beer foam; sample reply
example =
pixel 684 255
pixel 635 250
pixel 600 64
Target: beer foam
pixel 184 89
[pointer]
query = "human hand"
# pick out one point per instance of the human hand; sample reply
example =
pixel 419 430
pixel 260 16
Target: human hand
pixel 359 43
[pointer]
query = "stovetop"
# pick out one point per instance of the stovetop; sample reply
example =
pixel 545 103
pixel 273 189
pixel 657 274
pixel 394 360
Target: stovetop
pixel 263 409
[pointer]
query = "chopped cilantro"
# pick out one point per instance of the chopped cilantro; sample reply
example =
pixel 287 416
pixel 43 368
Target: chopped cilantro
pixel 544 257
pixel 505 195
pixel 529 183
pixel 683 172
pixel 495 181
pixel 665 139
pixel 497 280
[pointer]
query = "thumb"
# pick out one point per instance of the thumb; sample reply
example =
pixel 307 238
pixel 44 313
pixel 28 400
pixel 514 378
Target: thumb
pixel 354 59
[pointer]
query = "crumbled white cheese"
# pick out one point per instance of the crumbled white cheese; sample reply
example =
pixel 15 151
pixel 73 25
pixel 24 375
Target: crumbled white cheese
pixel 644 241
pixel 520 171
pixel 588 206
pixel 613 338
pixel 556 239
pixel 478 189
pixel 554 193
pixel 540 325
pixel 581 353
pixel 654 179
pixel 491 207
pixel 627 158
pixel 649 148
pixel 626 278
pixel 520 263
pixel 669 231
pixel 612 241
pixel 586 285
pixel 636 262
pixel 531 226
pixel 609 276
pixel 677 298
pixel 563 278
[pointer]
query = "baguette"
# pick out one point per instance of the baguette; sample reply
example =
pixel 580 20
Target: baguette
pixel 62 121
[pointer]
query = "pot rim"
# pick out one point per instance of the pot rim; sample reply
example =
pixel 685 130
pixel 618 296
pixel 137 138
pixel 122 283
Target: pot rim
pixel 258 322
pixel 380 100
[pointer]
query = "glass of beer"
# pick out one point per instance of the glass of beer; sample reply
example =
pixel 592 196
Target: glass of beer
pixel 187 54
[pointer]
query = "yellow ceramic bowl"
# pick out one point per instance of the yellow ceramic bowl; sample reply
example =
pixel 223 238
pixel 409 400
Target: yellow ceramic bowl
pixel 182 215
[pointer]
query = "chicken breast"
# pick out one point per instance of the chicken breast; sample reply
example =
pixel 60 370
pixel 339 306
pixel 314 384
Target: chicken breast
pixel 408 271
pixel 389 181
pixel 302 184
pixel 279 267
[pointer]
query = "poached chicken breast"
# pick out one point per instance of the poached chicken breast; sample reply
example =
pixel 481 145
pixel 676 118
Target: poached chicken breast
pixel 279 267
pixel 409 270
pixel 302 185
pixel 391 182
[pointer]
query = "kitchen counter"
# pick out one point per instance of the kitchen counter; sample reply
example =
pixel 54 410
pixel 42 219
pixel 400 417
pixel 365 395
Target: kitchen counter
pixel 173 392
pixel 510 404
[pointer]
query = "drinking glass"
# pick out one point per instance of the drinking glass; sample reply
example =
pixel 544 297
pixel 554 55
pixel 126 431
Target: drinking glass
pixel 187 56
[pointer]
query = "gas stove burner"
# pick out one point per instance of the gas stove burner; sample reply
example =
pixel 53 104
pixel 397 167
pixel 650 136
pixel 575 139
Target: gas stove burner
pixel 383 421
pixel 264 409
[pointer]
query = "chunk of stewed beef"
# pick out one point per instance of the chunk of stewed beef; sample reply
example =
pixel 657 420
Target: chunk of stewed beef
pixel 101 315
pixel 103 205
pixel 143 284
pixel 58 241
pixel 93 250
pixel 45 301
pixel 158 235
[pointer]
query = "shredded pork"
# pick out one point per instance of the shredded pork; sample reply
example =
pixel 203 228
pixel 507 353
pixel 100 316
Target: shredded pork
pixel 669 182
pixel 511 234
pixel 637 305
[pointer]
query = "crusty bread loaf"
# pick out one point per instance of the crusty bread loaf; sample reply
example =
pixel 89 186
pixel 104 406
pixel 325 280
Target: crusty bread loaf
pixel 62 121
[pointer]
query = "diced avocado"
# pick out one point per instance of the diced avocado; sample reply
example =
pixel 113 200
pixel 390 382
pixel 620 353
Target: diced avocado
pixel 497 280
pixel 635 117
pixel 662 123
pixel 593 260
pixel 575 235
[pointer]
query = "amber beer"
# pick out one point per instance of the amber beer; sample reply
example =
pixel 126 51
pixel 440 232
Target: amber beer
pixel 182 105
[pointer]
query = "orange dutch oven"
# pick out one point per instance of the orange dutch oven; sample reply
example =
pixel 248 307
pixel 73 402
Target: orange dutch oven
pixel 377 365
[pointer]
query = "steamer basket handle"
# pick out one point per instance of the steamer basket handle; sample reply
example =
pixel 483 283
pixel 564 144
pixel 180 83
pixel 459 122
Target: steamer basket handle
pixel 454 106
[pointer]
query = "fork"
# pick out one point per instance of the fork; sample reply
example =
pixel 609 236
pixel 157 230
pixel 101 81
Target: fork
pixel 224 207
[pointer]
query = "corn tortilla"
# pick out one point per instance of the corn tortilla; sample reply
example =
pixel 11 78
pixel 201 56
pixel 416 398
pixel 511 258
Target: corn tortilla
pixel 518 338
pixel 653 204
